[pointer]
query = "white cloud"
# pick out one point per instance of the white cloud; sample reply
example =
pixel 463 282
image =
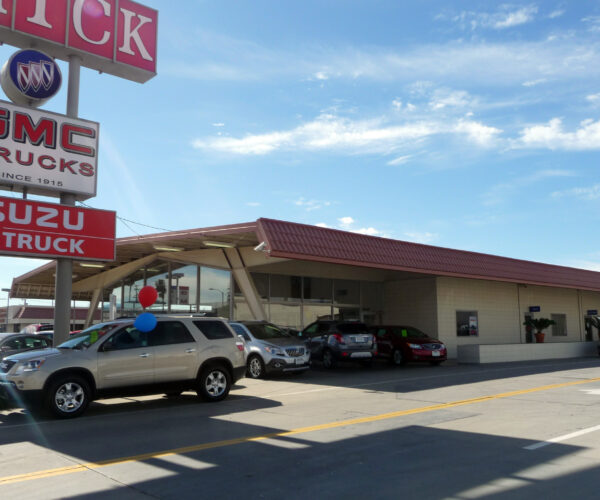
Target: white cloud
pixel 346 222
pixel 593 23
pixel 400 160
pixel 533 83
pixel 332 133
pixel 397 103
pixel 310 205
pixel 321 224
pixel 371 231
pixel 584 193
pixel 552 136
pixel 500 192
pixel 253 204
pixel 506 16
pixel 478 132
pixel 556 13
pixel 594 98
pixel 443 98
pixel 421 237
pixel 321 75
pixel 218 124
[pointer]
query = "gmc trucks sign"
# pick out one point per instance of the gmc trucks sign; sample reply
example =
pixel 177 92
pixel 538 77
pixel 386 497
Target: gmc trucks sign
pixel 47 153
pixel 45 230
pixel 118 37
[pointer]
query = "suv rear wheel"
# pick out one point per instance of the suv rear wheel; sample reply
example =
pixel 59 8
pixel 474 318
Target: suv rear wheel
pixel 68 396
pixel 328 359
pixel 214 383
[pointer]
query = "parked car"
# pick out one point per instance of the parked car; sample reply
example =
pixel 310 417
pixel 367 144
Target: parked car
pixel 270 349
pixel 13 343
pixel 38 328
pixel 115 358
pixel 332 341
pixel 401 344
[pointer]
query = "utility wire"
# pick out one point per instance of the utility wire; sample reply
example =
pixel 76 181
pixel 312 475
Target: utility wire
pixel 125 221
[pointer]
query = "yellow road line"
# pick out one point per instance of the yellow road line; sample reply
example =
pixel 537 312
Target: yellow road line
pixel 301 430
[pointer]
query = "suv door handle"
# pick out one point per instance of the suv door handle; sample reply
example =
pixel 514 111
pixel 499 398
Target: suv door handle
pixel 145 355
pixel 190 350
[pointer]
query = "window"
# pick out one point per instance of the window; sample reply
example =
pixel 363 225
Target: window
pixel 346 292
pixel 239 329
pixel 285 288
pixel 318 290
pixel 213 330
pixel 170 332
pixel 128 338
pixel 36 342
pixel 467 324
pixel 560 328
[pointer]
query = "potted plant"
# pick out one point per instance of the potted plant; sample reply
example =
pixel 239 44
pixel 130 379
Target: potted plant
pixel 539 324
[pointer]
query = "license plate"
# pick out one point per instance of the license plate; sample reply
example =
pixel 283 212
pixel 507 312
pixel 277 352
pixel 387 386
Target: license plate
pixel 299 361
pixel 435 354
pixel 360 340
pixel 360 355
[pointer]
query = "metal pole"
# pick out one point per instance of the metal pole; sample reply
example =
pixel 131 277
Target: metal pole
pixel 7 290
pixel 63 289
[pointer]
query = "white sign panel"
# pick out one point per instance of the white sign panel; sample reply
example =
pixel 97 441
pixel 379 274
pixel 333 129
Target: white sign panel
pixel 46 153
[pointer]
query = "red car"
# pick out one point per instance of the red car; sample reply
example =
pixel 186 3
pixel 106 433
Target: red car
pixel 401 344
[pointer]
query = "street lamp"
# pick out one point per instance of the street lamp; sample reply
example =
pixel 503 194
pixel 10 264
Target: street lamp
pixel 222 295
pixel 7 290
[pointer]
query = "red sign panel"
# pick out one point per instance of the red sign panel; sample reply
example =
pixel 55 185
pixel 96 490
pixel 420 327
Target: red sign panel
pixel 113 36
pixel 45 230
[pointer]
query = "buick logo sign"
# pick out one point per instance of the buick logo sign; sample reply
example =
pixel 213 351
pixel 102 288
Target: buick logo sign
pixel 30 78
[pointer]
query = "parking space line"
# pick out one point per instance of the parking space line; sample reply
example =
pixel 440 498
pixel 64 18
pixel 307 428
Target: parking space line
pixel 90 466
pixel 564 437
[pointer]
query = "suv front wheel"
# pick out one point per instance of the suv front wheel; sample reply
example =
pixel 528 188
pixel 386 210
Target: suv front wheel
pixel 67 396
pixel 214 383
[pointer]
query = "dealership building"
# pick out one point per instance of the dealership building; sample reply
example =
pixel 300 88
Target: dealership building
pixel 292 274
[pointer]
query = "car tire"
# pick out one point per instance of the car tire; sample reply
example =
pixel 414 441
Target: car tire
pixel 214 383
pixel 328 359
pixel 67 396
pixel 255 367
pixel 397 358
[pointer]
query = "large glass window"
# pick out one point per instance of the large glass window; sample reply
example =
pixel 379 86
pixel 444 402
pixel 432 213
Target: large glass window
pixel 158 276
pixel 318 290
pixel 286 315
pixel 286 288
pixel 215 291
pixel 184 289
pixel 131 287
pixel 346 292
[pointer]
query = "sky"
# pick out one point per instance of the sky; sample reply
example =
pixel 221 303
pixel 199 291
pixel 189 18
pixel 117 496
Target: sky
pixel 461 124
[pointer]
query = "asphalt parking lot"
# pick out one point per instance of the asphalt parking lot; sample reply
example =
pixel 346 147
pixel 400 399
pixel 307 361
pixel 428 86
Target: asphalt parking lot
pixel 520 430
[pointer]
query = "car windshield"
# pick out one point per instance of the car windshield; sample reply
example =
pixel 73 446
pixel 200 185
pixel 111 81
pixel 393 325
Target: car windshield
pixel 88 337
pixel 265 331
pixel 403 331
pixel 353 328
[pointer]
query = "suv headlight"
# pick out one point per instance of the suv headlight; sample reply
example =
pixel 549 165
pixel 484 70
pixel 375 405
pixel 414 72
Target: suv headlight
pixel 275 351
pixel 415 346
pixel 29 366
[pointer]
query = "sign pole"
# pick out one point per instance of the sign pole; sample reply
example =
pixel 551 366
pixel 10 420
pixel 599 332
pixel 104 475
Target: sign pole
pixel 63 288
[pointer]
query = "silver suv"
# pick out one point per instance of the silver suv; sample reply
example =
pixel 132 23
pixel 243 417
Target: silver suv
pixel 270 349
pixel 115 358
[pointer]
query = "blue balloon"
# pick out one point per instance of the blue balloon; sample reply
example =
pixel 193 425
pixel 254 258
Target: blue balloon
pixel 145 322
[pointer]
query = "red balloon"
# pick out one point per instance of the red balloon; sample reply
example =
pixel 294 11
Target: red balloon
pixel 147 296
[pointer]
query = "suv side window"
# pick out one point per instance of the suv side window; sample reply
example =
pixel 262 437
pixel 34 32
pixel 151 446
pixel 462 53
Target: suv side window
pixel 323 328
pixel 213 330
pixel 36 342
pixel 128 338
pixel 169 332
pixel 310 330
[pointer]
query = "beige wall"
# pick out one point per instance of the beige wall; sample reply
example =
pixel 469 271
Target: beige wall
pixel 496 305
pixel 554 301
pixel 411 302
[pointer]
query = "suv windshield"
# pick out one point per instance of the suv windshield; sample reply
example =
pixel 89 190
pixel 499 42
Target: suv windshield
pixel 87 337
pixel 265 331
pixel 352 328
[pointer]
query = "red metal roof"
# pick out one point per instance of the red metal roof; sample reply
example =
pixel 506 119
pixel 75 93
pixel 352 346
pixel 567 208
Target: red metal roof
pixel 301 241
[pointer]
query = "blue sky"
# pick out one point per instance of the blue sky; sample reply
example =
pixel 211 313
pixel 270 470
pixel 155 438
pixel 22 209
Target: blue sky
pixel 470 125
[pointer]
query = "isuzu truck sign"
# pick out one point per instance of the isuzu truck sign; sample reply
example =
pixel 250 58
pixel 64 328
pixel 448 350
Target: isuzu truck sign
pixel 113 36
pixel 47 153
pixel 33 229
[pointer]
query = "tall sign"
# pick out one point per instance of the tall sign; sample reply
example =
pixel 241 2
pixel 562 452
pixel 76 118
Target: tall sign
pixel 47 153
pixel 118 37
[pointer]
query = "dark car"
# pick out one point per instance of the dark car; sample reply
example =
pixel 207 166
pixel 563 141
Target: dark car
pixel 332 341
pixel 401 344
pixel 13 343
